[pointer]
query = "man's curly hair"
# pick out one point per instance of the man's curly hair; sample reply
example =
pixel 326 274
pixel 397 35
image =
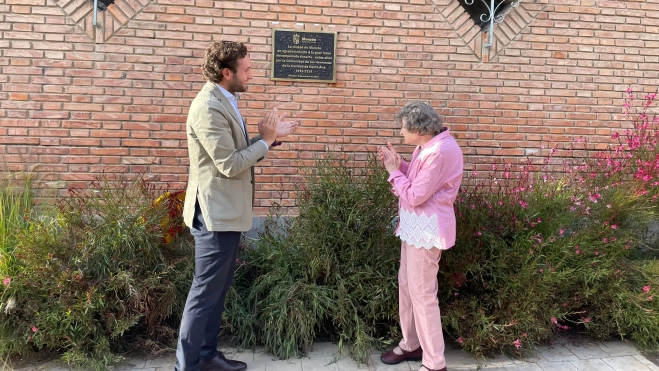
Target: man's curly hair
pixel 219 55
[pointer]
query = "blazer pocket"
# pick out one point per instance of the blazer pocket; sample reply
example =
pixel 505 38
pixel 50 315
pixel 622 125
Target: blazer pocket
pixel 225 199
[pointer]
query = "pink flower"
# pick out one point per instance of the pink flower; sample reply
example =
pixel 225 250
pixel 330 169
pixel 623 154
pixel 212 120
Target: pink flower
pixel 613 226
pixel 34 329
pixel 650 298
pixel 561 232
pixel 518 344
pixel 460 340
pixel 586 320
pixel 646 289
pixel 553 319
pixel 6 281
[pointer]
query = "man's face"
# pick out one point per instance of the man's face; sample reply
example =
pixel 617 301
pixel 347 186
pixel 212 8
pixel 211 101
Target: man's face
pixel 238 80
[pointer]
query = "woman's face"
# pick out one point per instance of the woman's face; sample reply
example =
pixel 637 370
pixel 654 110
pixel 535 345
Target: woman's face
pixel 410 138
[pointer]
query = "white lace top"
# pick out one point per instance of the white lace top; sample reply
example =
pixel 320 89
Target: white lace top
pixel 419 230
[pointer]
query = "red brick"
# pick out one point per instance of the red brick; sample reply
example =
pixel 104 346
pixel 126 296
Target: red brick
pixel 22 70
pixel 122 105
pixel 140 143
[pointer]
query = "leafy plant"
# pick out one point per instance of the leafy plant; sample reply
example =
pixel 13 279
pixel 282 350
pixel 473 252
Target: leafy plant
pixel 15 207
pixel 540 252
pixel 331 273
pixel 94 275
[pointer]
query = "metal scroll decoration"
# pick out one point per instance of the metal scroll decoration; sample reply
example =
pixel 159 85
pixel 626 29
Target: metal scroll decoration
pixel 493 17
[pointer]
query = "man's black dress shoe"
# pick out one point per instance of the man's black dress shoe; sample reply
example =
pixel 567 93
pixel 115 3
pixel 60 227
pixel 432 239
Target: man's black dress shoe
pixel 221 363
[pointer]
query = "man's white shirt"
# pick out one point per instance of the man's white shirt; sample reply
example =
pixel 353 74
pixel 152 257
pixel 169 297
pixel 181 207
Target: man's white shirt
pixel 234 103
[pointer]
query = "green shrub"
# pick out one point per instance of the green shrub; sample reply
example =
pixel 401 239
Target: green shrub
pixel 331 273
pixel 15 207
pixel 95 276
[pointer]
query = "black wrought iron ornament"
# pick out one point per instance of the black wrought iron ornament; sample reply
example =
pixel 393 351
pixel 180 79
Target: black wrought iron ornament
pixel 100 5
pixel 487 13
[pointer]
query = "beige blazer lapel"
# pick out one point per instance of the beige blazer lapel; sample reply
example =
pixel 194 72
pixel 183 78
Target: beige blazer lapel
pixel 246 133
pixel 235 123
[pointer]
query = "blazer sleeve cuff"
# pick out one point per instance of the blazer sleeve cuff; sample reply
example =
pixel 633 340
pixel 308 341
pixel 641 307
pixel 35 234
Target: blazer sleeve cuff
pixel 262 150
pixel 255 139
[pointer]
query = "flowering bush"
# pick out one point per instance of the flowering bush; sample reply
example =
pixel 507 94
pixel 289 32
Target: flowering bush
pixel 94 276
pixel 540 253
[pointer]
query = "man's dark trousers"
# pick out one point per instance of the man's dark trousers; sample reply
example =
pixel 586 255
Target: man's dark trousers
pixel 215 264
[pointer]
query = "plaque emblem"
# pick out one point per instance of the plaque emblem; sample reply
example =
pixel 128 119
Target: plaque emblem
pixel 296 39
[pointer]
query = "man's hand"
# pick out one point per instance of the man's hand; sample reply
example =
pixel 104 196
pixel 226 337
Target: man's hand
pixel 284 128
pixel 268 126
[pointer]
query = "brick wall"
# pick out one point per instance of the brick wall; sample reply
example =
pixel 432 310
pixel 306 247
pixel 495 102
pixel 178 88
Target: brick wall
pixel 76 100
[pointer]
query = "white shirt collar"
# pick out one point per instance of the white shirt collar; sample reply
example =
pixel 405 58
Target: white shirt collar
pixel 226 93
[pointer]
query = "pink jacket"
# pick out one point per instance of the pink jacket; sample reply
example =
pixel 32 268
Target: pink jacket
pixel 427 188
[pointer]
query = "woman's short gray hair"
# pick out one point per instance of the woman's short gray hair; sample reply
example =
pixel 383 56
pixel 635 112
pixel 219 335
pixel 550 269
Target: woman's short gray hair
pixel 419 118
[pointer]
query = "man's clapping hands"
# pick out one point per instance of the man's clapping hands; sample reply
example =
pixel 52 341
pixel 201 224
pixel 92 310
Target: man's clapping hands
pixel 273 126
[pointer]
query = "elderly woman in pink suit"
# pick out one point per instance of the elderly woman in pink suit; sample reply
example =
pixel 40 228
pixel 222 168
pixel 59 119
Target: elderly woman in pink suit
pixel 426 187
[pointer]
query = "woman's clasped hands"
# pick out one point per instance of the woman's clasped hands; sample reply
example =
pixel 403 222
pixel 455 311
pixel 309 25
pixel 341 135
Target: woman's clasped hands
pixel 389 157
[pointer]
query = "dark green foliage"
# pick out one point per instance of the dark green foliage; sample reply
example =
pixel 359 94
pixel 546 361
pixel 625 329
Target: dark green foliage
pixel 95 276
pixel 16 196
pixel 331 273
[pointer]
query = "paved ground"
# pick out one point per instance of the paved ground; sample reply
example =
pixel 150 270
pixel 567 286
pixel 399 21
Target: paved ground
pixel 565 355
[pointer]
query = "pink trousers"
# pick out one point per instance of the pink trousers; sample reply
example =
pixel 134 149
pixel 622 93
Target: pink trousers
pixel 420 320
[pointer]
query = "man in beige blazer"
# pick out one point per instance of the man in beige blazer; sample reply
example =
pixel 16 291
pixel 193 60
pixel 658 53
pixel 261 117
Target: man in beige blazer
pixel 219 197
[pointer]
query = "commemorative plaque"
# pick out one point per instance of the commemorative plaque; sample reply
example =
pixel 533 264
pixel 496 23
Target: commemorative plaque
pixel 303 55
